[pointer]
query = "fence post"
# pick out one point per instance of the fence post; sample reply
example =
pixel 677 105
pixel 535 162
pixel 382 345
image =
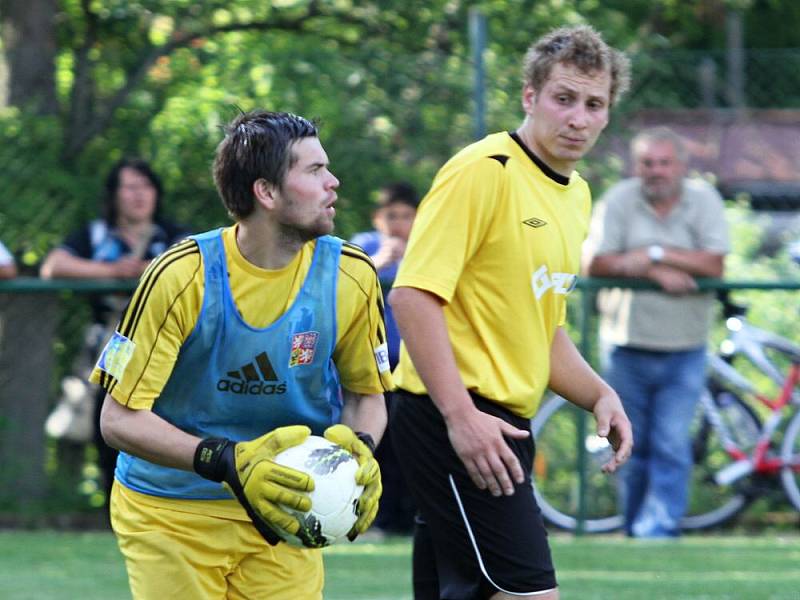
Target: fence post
pixel 477 40
pixel 587 303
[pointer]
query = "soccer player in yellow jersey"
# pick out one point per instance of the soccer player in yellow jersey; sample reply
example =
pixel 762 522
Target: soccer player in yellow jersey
pixel 480 299
pixel 237 344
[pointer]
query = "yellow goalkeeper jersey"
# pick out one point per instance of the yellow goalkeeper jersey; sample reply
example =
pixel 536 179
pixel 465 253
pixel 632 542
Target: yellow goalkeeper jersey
pixel 498 239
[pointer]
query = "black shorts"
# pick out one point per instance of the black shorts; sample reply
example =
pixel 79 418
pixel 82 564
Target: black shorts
pixel 481 544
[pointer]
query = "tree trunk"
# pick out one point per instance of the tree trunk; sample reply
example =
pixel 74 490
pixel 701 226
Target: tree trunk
pixel 28 31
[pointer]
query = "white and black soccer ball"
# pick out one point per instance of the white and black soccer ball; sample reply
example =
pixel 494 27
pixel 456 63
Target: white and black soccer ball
pixel 335 494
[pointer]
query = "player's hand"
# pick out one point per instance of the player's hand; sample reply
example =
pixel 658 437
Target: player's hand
pixel 478 440
pixel 260 484
pixel 368 475
pixel 613 424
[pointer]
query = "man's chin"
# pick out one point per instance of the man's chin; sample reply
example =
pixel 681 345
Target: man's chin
pixel 325 228
pixel 319 229
pixel 573 153
pixel 658 192
pixel 306 234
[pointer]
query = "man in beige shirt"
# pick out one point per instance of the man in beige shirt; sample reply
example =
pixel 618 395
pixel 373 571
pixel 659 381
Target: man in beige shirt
pixel 664 227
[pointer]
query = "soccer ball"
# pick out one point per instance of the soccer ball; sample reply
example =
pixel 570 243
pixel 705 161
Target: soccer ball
pixel 335 494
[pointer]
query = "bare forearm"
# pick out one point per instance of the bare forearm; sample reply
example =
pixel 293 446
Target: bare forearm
pixel 635 263
pixel 571 376
pixel 144 434
pixel 422 325
pixel 60 263
pixel 575 380
pixel 365 412
pixel 699 263
pixel 610 265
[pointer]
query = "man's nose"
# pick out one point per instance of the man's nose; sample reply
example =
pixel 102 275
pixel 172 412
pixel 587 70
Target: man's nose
pixel 579 117
pixel 333 183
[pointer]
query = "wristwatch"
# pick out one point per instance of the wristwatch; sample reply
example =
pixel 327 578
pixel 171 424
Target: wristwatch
pixel 655 253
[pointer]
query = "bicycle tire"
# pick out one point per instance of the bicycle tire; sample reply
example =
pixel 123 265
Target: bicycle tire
pixel 790 454
pixel 555 472
pixel 726 501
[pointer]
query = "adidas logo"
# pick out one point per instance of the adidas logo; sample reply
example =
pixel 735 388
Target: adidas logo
pixel 534 222
pixel 253 379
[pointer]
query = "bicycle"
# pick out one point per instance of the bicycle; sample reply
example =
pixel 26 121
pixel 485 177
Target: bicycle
pixel 734 453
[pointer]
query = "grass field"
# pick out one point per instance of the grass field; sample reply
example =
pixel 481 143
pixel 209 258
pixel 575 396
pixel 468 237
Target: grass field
pixel 86 566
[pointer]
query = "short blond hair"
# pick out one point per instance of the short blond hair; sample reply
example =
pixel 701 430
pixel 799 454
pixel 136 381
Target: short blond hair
pixel 582 47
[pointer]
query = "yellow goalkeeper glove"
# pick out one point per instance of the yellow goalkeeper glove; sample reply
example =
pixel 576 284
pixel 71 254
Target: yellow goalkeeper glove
pixel 361 446
pixel 259 484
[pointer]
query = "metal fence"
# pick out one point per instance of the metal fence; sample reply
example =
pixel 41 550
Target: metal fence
pixel 41 335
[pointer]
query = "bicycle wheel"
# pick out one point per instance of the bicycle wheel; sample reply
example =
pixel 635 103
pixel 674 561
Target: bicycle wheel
pixel 710 503
pixel 555 476
pixel 790 455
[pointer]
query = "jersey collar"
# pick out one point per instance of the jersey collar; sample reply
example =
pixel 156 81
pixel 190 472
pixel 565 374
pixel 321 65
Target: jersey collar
pixel 557 177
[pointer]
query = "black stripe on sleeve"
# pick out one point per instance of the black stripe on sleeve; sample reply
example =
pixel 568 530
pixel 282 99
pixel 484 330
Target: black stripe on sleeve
pixel 501 158
pixel 134 311
pixel 153 264
pixel 160 328
pixel 354 251
pixel 380 301
pixel 378 327
pixel 107 381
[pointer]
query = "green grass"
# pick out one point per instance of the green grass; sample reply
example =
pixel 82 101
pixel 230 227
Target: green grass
pixel 55 566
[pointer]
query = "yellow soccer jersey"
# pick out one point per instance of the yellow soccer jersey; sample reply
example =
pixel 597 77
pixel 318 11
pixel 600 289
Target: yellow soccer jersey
pixel 164 309
pixel 498 240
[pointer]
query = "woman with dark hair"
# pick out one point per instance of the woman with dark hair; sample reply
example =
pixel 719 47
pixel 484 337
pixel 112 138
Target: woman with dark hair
pixel 119 245
pixel 128 236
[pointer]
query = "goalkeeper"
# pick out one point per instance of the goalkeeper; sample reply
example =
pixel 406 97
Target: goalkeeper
pixel 237 344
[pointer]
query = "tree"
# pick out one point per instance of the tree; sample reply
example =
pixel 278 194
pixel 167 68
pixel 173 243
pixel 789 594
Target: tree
pixel 29 44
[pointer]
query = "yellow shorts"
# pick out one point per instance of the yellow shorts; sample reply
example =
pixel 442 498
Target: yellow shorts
pixel 171 552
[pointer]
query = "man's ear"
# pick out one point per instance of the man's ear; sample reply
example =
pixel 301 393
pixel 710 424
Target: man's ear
pixel 528 98
pixel 264 193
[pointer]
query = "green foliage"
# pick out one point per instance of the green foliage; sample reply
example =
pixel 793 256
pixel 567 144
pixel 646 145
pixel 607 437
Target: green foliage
pixel 41 197
pixel 759 254
pixel 391 84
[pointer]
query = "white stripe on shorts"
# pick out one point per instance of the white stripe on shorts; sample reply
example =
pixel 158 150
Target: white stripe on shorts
pixel 478 552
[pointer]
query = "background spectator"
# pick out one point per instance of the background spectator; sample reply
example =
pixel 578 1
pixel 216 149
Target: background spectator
pixel 664 227
pixel 392 219
pixel 120 244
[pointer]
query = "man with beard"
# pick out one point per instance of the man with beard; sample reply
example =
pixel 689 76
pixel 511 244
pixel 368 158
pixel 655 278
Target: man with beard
pixel 237 344
pixel 661 226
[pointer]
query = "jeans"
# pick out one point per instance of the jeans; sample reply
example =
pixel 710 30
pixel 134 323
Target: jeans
pixel 659 391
